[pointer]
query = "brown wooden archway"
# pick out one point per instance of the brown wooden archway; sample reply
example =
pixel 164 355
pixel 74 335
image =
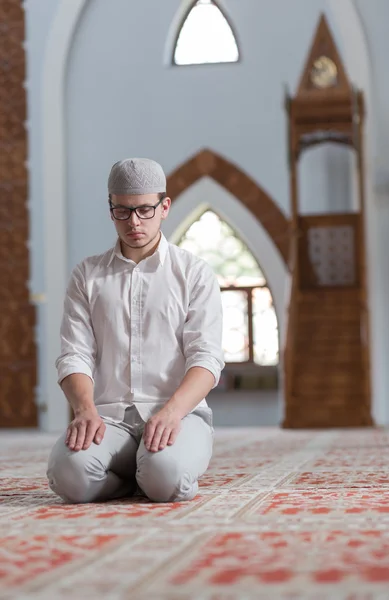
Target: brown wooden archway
pixel 209 164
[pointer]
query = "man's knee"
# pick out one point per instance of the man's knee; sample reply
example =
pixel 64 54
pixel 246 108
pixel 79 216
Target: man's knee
pixel 162 479
pixel 71 474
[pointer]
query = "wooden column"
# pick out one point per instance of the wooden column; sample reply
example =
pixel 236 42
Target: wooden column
pixel 17 315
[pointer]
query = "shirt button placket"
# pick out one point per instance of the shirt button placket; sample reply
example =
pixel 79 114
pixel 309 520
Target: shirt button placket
pixel 135 331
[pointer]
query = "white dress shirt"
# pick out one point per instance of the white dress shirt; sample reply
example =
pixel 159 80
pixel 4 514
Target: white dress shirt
pixel 136 329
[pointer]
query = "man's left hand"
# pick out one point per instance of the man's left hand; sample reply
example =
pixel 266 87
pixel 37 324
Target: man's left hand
pixel 161 430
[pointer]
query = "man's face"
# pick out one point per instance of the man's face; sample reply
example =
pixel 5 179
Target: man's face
pixel 137 232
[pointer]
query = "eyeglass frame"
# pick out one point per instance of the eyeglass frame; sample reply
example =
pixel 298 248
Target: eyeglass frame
pixel 131 209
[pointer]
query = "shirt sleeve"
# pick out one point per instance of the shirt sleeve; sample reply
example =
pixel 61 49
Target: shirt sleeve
pixel 78 343
pixel 202 337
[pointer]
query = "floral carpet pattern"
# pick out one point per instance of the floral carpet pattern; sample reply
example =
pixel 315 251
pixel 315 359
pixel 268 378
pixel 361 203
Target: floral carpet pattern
pixel 279 514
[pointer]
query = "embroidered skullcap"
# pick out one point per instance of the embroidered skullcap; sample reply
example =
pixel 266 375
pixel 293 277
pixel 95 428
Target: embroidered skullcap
pixel 136 176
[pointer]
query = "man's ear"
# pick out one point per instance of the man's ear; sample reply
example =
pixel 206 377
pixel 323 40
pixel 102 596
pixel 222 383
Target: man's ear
pixel 166 204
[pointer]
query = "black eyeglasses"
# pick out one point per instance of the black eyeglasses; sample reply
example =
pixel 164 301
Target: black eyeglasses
pixel 123 213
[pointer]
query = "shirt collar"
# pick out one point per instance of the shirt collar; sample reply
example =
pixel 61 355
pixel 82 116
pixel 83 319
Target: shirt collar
pixel 160 252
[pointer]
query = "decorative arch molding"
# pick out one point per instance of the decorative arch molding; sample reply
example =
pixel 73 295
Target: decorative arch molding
pixel 209 164
pixel 54 416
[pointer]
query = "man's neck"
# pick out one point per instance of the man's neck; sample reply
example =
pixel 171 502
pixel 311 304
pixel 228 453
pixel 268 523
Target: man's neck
pixel 139 254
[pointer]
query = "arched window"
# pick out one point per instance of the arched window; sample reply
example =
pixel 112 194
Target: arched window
pixel 205 37
pixel 250 330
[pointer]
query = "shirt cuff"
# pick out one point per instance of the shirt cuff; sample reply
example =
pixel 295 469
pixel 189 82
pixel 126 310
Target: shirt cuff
pixel 66 370
pixel 211 365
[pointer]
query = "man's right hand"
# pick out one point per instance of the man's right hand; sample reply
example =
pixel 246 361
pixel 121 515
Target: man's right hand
pixel 86 427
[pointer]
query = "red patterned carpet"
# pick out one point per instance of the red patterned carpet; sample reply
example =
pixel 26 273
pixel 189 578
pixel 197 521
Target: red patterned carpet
pixel 280 514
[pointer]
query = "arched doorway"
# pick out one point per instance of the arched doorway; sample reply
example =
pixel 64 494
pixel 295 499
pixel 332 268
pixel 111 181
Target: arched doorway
pixel 250 331
pixel 250 392
pixel 253 197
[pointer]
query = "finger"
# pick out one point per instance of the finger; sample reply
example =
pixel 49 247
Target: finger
pixel 80 437
pixel 156 439
pixel 90 433
pixel 173 436
pixel 148 435
pixel 164 439
pixel 72 437
pixel 100 433
pixel 68 434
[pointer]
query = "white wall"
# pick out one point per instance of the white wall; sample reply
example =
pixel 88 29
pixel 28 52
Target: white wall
pixel 243 409
pixel 122 100
pixel 375 19
pixel 325 180
pixel 39 17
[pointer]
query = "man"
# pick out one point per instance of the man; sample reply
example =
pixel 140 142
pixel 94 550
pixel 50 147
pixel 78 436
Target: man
pixel 140 350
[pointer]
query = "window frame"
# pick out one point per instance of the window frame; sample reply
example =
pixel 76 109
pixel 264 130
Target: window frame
pixel 205 64
pixel 248 290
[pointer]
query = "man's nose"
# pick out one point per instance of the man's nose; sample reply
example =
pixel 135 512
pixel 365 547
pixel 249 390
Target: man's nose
pixel 134 219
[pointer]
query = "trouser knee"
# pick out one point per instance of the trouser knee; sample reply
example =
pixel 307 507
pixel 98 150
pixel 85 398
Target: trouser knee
pixel 71 477
pixel 162 480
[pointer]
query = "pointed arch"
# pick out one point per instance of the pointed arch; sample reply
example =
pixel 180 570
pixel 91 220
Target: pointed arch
pixel 250 324
pixel 194 42
pixel 216 241
pixel 240 185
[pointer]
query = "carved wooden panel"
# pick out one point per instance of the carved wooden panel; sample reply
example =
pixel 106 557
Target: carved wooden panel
pixel 329 251
pixel 17 316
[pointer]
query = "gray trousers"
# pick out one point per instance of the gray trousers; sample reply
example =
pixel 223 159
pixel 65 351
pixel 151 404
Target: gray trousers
pixel 114 468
